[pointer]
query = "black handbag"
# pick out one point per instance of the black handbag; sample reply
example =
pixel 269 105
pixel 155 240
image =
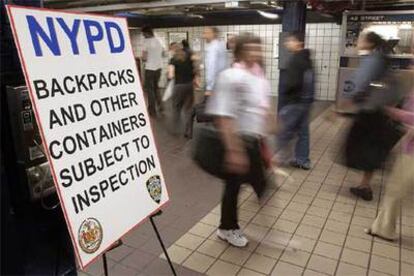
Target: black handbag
pixel 208 151
pixel 200 112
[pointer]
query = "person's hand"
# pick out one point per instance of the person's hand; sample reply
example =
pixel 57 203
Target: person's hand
pixel 237 162
pixel 197 82
pixel 208 93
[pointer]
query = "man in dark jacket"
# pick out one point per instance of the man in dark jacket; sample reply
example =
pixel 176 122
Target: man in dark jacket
pixel 299 93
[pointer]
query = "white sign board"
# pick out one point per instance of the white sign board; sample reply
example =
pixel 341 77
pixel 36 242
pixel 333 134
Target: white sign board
pixel 89 104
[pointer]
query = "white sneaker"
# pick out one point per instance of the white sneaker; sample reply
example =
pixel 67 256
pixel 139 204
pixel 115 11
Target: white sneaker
pixel 234 237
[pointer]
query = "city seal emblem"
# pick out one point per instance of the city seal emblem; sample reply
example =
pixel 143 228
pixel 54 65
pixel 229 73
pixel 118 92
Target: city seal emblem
pixel 90 235
pixel 154 188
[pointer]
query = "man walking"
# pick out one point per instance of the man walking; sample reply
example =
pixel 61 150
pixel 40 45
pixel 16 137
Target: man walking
pixel 215 57
pixel 152 55
pixel 299 92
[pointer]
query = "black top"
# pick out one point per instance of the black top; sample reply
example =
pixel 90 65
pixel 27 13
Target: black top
pixel 298 63
pixel 184 70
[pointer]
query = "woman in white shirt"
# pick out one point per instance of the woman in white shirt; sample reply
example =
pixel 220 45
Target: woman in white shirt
pixel 240 104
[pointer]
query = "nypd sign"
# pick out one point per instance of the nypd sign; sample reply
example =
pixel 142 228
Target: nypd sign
pixel 88 101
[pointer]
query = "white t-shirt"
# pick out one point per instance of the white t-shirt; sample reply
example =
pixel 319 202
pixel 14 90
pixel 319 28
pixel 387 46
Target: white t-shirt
pixel 154 49
pixel 243 96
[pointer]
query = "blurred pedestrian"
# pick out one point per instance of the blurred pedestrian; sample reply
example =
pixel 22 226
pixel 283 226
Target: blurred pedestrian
pixel 240 104
pixel 294 116
pixel 371 136
pixel 181 69
pixel 401 181
pixel 215 59
pixel 152 55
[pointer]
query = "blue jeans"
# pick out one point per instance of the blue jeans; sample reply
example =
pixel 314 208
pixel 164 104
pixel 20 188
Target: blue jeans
pixel 295 122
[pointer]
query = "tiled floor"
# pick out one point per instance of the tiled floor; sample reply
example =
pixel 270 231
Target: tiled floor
pixel 310 225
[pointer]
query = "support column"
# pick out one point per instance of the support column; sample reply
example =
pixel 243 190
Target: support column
pixel 293 20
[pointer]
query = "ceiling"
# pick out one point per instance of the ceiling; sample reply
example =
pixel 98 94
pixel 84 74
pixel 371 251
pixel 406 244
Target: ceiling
pixel 166 7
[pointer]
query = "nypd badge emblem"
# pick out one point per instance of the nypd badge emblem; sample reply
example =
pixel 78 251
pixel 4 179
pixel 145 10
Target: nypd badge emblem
pixel 154 188
pixel 90 235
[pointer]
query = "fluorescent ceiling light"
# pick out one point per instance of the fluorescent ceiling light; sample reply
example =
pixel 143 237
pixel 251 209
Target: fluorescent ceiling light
pixel 268 15
pixel 405 27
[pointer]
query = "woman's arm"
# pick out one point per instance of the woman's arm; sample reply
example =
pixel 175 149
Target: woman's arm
pixel 171 72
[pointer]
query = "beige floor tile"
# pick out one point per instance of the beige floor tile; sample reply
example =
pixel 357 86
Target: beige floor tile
pixel 322 264
pixel 199 262
pixel 384 265
pixel 407 269
pixel 386 251
pixel 366 212
pixel 358 244
pixel 271 211
pixel 313 221
pixel 362 221
pixel 255 232
pixel 213 248
pixel 302 199
pixel 302 243
pixel 292 215
pixel 190 241
pixel 285 269
pixel 317 211
pixel 341 207
pixel 235 255
pixel 308 231
pixel 310 272
pixel 332 237
pixel 246 214
pixel 260 263
pixel 275 236
pixel 264 220
pixel 270 250
pixel 285 225
pixel 296 206
pixel 277 202
pixel 376 273
pixel 345 269
pixel 407 256
pixel 211 219
pixel 336 226
pixel 250 206
pixel 217 210
pixel 322 203
pixel 202 230
pixel 177 254
pixel 296 257
pixel 328 250
pixel 355 257
pixel 340 216
pixel 220 268
pixel 248 272
pixel 359 232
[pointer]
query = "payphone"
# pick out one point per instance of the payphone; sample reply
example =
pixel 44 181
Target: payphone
pixel 28 144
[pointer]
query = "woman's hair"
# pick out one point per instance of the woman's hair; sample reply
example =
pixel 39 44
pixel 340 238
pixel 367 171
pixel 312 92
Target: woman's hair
pixel 147 30
pixel 185 44
pixel 240 45
pixel 377 42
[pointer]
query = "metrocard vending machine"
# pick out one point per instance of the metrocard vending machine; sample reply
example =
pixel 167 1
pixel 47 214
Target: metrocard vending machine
pixel 28 144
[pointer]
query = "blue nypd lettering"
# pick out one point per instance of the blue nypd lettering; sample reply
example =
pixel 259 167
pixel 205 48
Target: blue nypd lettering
pixel 107 32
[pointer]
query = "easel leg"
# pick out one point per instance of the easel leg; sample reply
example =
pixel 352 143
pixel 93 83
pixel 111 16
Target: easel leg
pixel 161 242
pixel 105 264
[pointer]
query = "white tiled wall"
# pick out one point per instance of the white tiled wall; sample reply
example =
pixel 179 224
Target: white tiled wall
pixel 322 38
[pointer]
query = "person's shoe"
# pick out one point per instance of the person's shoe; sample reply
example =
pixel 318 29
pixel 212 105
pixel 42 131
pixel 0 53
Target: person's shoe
pixel 305 166
pixel 234 237
pixel 369 232
pixel 364 193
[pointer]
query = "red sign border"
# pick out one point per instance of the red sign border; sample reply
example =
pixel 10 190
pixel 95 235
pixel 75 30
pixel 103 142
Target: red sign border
pixel 52 169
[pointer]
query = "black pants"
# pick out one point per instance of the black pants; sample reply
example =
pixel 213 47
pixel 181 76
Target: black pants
pixel 152 77
pixel 255 177
pixel 183 100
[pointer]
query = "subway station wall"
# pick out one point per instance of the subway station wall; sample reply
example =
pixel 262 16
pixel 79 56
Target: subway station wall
pixel 322 38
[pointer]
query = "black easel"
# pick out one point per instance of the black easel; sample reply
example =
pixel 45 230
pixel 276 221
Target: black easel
pixel 105 262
